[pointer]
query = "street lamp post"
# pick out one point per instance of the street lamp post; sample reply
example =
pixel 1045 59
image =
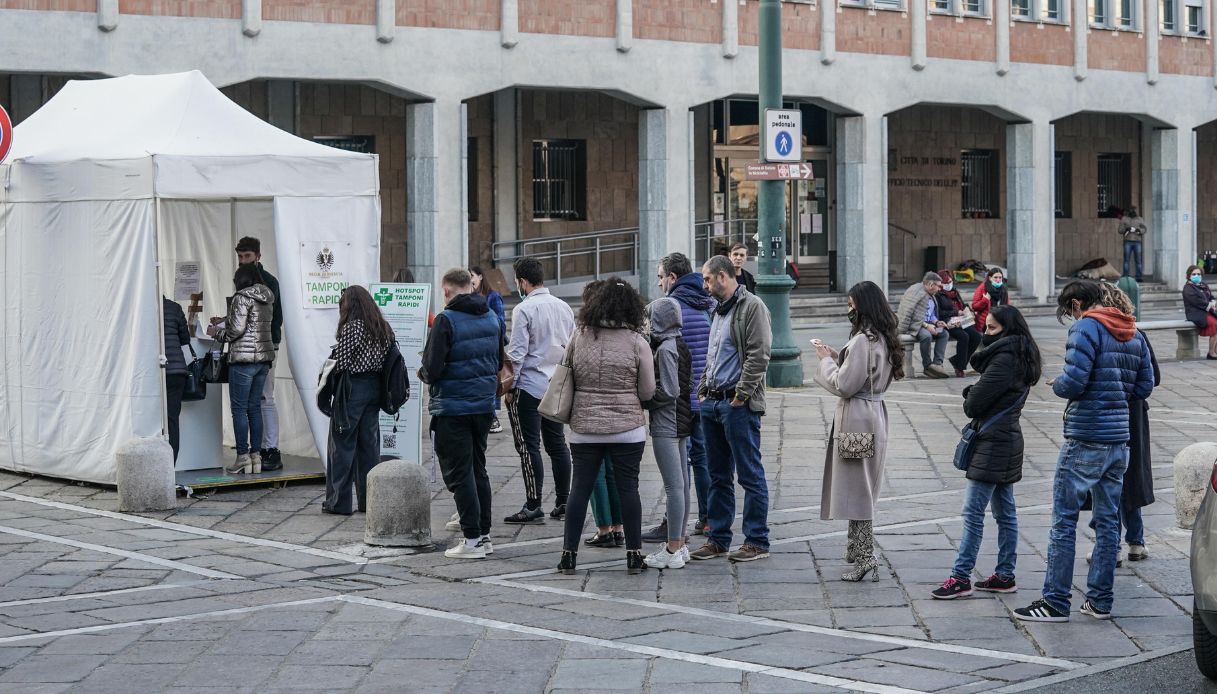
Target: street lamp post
pixel 773 285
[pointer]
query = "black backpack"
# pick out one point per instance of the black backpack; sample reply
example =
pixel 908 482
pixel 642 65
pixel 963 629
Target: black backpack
pixel 395 390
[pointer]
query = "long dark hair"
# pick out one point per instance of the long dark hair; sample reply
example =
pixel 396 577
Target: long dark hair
pixel 483 286
pixel 1014 325
pixel 998 295
pixel 357 304
pixel 611 303
pixel 873 314
pixel 246 276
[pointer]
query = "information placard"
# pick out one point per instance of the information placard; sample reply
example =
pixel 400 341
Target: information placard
pixel 405 307
pixel 323 269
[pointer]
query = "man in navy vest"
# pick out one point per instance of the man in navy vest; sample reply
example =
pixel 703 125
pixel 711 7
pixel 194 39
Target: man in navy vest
pixel 461 365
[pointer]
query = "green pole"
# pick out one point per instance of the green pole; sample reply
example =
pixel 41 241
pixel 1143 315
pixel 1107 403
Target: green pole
pixel 773 285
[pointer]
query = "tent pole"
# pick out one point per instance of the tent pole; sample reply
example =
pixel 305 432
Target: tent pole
pixel 160 293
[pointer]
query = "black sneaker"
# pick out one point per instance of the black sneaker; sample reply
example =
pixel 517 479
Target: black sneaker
pixel 657 534
pixel 1089 608
pixel 1040 611
pixel 559 512
pixel 526 516
pixel 953 588
pixel 997 584
pixel 272 460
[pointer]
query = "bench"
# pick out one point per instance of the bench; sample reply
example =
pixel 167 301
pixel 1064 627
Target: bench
pixel 909 343
pixel 1189 336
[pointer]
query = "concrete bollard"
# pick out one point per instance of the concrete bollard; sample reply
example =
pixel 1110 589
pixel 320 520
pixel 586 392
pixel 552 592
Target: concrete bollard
pixel 399 506
pixel 145 475
pixel 1193 475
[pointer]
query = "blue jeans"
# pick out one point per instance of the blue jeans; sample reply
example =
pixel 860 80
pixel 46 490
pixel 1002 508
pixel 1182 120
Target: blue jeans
pixel 733 447
pixel 697 462
pixel 924 338
pixel 1130 519
pixel 245 384
pixel 1084 467
pixel 1132 248
pixel 977 496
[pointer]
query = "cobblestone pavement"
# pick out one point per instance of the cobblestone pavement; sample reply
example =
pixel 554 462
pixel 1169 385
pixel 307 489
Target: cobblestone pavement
pixel 258 590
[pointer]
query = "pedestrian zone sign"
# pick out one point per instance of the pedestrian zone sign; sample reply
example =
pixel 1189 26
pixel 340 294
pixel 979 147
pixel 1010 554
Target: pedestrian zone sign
pixel 783 135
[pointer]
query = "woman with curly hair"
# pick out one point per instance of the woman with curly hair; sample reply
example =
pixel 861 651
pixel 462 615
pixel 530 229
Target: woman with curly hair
pixel 859 376
pixel 614 374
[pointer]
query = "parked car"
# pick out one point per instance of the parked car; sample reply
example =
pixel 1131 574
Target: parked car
pixel 1204 582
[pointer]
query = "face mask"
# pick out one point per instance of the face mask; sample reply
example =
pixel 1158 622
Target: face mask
pixel 947 287
pixel 1197 279
pixel 996 284
pixel 990 339
pixel 852 315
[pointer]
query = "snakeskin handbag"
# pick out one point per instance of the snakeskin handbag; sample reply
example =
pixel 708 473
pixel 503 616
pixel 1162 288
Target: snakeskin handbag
pixel 858 445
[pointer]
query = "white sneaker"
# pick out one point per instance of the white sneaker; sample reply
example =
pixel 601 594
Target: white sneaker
pixel 487 545
pixel 1119 558
pixel 1137 553
pixel 464 551
pixel 684 553
pixel 663 559
pixel 454 523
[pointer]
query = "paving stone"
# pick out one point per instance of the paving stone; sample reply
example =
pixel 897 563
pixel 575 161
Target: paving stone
pixel 318 677
pixel 689 642
pixel 52 668
pixel 627 675
pixel 870 670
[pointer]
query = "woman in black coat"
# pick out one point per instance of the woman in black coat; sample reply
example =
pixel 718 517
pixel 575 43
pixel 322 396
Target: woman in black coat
pixel 1009 364
pixel 1199 308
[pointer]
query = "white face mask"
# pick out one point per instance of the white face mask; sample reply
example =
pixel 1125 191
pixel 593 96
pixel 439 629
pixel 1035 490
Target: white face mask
pixel 947 287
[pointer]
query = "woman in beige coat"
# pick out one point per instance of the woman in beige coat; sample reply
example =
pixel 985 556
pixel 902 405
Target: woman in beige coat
pixel 859 376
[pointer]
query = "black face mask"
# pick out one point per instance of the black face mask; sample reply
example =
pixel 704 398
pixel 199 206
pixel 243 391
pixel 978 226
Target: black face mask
pixel 990 339
pixel 852 315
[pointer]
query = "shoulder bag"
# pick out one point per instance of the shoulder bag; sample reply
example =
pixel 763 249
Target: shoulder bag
pixel 560 394
pixel 215 364
pixel 967 437
pixel 196 387
pixel 858 445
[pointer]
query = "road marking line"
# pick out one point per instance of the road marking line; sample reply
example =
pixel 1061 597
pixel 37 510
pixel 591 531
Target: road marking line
pixel 205 532
pixel 99 594
pixel 725 663
pixel 792 626
pixel 146 558
pixel 162 620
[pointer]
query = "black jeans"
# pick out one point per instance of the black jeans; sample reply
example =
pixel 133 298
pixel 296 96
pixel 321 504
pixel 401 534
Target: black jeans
pixel 460 445
pixel 966 342
pixel 587 460
pixel 354 452
pixel 175 386
pixel 529 429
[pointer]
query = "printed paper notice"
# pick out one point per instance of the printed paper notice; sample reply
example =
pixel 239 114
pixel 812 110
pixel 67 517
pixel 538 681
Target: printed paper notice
pixel 324 273
pixel 187 279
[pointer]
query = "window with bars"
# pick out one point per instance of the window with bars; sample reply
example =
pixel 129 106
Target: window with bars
pixel 1170 16
pixel 1063 185
pixel 1115 184
pixel 559 179
pixel 980 183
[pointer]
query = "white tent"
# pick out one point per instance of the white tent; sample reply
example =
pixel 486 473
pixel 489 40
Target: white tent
pixel 112 177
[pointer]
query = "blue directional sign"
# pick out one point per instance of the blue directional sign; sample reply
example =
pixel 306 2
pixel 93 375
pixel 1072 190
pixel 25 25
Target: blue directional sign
pixel 783 135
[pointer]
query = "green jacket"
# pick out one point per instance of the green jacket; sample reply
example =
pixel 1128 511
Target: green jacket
pixel 753 338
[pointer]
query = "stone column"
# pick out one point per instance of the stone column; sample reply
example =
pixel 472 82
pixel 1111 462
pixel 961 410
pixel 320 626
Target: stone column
pixel 506 169
pixel 1081 26
pixel 1030 214
pixel 861 201
pixel 1171 224
pixel 251 17
pixel 917 17
pixel 438 233
pixel 386 20
pixel 107 15
pixel 625 25
pixel 828 31
pixel 1151 40
pixel 664 224
pixel 1001 26
pixel 509 25
pixel 730 28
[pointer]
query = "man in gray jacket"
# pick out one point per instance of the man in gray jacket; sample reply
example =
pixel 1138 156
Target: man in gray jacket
pixel 732 392
pixel 918 317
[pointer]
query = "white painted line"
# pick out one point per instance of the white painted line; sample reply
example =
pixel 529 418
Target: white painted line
pixel 204 532
pixel 792 626
pixel 725 663
pixel 1093 670
pixel 103 594
pixel 146 558
pixel 162 620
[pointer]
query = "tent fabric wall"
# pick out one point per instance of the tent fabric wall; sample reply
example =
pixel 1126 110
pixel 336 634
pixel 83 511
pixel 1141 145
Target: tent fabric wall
pixel 81 336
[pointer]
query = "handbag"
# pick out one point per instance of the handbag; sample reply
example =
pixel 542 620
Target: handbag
pixel 507 376
pixel 858 445
pixel 560 394
pixel 196 387
pixel 215 365
pixel 967 437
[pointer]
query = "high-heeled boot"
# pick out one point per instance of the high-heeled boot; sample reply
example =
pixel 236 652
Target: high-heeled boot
pixel 865 557
pixel 851 544
pixel 567 564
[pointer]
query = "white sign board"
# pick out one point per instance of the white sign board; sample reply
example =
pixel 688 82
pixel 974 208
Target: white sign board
pixel 405 307
pixel 783 135
pixel 324 274
pixel 187 279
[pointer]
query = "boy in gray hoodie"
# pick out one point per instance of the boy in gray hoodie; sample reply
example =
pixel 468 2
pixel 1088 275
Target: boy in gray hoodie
pixel 671 422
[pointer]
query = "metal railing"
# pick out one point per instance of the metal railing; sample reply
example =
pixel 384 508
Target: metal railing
pixel 560 250
pixel 711 238
pixel 904 251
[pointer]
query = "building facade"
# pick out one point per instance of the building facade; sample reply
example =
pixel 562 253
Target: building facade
pixel 603 134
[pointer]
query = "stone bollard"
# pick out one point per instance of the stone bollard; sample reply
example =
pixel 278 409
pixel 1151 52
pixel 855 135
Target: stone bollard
pixel 1193 475
pixel 399 506
pixel 145 475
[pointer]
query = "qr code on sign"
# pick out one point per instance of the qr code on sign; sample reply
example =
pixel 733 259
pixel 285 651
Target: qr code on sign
pixel 389 441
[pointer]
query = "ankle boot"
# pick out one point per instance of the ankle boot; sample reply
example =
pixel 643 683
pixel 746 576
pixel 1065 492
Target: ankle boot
pixel 634 562
pixel 851 544
pixel 865 556
pixel 567 564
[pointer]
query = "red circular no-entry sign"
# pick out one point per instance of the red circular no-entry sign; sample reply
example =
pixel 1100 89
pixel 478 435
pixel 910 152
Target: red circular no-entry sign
pixel 6 134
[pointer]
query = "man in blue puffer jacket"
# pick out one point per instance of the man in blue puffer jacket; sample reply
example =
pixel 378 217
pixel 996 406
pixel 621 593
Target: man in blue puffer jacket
pixel 1107 363
pixel 678 280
